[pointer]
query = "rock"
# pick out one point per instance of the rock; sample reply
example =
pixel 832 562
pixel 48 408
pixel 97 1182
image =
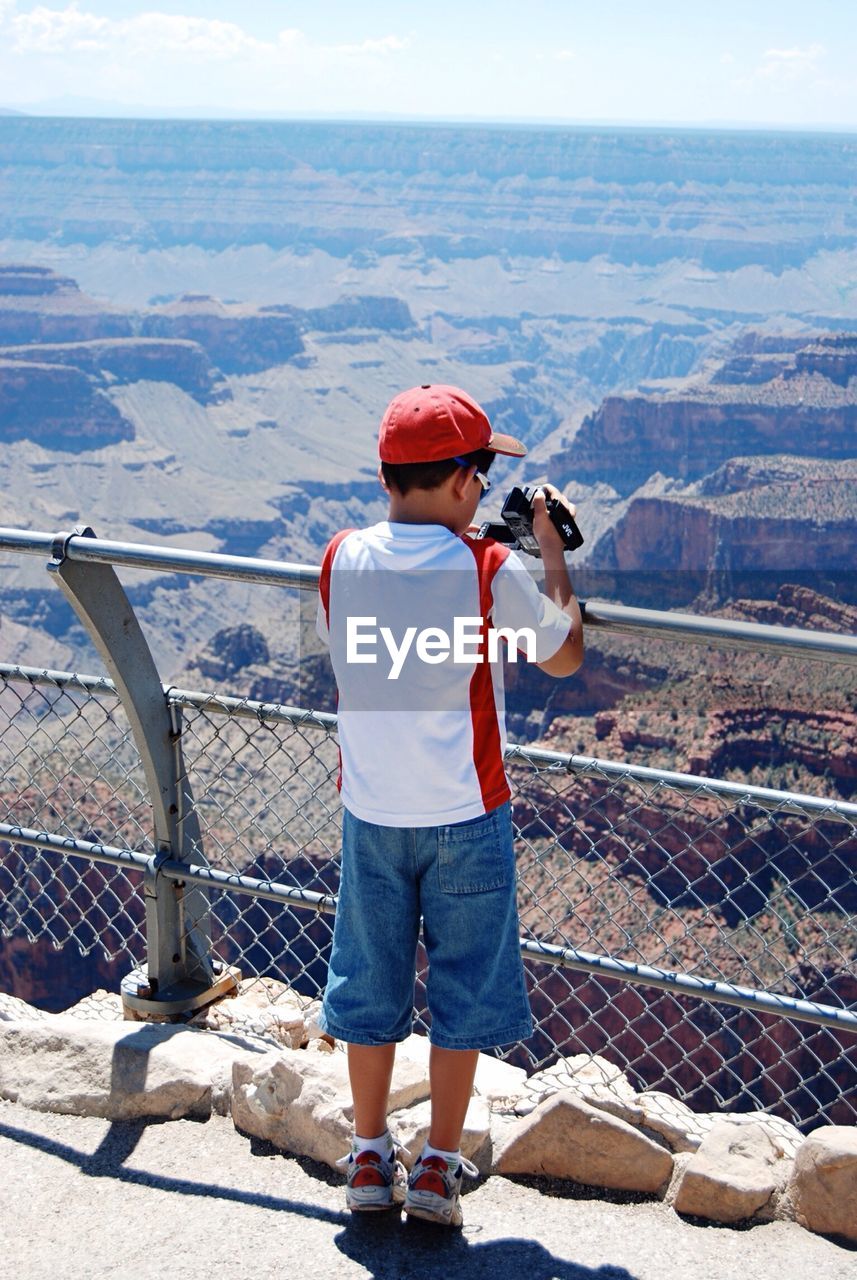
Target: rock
pixel 823 1185
pixel 589 1077
pixel 14 1010
pixel 565 1137
pixel 58 408
pixel 415 1049
pixel 118 1070
pixel 410 1127
pixel 497 1081
pixel 694 429
pixel 784 1134
pixel 231 650
pixel 681 1128
pixel 301 1102
pixel 100 1006
pixel 270 1010
pixel 118 361
pixel 361 312
pixel 238 338
pixel 733 1175
pixel 503 1125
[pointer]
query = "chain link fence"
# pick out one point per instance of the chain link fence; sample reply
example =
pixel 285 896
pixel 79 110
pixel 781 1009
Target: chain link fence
pixel 622 869
pixel 69 765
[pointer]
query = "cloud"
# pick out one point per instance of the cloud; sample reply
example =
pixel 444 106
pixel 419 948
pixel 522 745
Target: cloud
pixel 57 30
pixel 43 30
pixel 385 46
pixel 73 30
pixel 780 72
pixel 73 49
pixel 786 66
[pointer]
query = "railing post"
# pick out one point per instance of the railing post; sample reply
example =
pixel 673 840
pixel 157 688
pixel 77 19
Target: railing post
pixel 181 972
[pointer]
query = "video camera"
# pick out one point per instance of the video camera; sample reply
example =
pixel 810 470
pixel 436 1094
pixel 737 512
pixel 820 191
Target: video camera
pixel 516 529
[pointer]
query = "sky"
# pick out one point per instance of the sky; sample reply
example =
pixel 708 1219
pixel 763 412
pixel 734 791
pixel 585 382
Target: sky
pixel 683 62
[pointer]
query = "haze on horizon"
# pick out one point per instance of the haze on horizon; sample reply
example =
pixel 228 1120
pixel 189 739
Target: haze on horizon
pixel 773 64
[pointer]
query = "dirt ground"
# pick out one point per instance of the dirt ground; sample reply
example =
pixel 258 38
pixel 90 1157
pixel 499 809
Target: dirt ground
pixel 81 1198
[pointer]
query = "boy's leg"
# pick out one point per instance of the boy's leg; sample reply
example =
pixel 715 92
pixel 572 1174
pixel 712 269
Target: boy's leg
pixel 434 1184
pixel 451 1072
pixel 370 1070
pixel 375 1178
pixel 368 998
pixel 475 990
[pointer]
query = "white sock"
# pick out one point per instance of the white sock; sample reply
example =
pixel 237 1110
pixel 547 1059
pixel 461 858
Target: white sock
pixel 383 1144
pixel 452 1158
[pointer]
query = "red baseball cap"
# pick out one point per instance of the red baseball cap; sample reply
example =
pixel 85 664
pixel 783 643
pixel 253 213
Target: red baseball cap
pixel 429 423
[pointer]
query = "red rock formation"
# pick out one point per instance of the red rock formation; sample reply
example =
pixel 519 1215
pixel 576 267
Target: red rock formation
pixel 786 527
pixel 57 407
pixel 239 339
pixel 125 360
pixel 686 435
pixel 771 396
pixel 37 305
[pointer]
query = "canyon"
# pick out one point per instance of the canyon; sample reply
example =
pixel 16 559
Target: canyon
pixel 200 325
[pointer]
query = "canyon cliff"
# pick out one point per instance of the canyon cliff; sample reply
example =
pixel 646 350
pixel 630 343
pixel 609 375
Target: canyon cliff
pixel 790 402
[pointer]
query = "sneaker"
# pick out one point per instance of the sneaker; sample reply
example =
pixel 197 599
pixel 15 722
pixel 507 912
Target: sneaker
pixel 434 1190
pixel 373 1182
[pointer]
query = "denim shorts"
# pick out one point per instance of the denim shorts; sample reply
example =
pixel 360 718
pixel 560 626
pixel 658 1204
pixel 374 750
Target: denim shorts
pixel 461 880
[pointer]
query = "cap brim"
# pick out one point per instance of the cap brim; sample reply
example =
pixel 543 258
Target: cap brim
pixel 506 444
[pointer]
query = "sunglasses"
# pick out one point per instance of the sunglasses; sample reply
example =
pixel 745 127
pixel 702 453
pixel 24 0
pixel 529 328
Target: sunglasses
pixel 478 475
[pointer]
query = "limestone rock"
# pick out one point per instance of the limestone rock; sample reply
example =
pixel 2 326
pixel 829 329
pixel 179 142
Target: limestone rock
pixel 734 1173
pixel 681 1128
pixel 410 1127
pixel 784 1134
pixel 416 1049
pixel 301 1101
pixel 266 1008
pixel 567 1138
pixel 503 1125
pixel 14 1010
pixel 100 1006
pixel 497 1081
pixel 823 1186
pixel 117 1070
pixel 591 1078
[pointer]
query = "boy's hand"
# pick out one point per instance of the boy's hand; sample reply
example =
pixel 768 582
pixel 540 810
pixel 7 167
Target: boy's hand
pixel 549 540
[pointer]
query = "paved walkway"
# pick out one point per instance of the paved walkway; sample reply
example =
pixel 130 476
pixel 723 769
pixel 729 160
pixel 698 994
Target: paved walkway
pixel 83 1198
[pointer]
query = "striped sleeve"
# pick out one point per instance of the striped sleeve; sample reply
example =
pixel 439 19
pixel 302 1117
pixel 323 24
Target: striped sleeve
pixel 322 620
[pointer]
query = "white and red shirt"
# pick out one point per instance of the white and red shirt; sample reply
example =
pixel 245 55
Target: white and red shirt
pixel 421 735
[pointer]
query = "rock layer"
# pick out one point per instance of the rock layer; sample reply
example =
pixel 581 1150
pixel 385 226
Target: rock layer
pixel 57 407
pixel 733 1175
pixel 565 1137
pixel 823 1186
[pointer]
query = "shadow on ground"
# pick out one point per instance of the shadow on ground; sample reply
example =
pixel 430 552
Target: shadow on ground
pixel 394 1248
pixel 121 1140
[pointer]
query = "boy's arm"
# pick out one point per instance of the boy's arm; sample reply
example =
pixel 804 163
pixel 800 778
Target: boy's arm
pixel 558 586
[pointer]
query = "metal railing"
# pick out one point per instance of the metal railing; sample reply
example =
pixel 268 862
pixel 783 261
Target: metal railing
pixel 699 933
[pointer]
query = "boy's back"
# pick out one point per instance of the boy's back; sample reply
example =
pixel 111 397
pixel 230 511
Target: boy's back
pixel 406 610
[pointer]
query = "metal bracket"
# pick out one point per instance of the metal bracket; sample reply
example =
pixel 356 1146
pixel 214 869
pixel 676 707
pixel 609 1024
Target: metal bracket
pixel 177 917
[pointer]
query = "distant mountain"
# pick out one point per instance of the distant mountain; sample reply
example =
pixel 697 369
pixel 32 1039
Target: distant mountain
pixel 726 200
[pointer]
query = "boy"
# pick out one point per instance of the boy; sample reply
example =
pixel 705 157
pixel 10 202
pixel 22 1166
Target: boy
pixel 407 608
